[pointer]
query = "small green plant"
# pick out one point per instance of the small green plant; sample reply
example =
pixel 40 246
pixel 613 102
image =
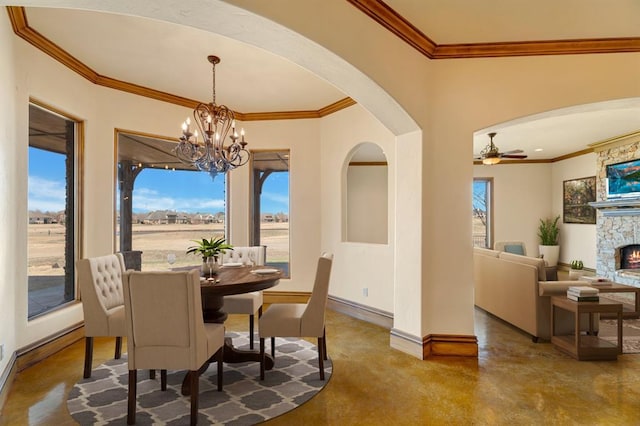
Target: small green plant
pixel 577 264
pixel 210 248
pixel 548 231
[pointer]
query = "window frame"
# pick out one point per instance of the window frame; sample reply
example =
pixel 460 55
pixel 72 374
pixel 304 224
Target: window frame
pixel 77 189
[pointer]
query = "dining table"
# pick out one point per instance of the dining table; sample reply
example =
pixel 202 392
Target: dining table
pixel 229 280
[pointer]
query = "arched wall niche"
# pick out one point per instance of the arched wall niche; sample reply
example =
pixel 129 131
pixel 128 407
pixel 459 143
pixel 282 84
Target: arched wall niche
pixel 365 204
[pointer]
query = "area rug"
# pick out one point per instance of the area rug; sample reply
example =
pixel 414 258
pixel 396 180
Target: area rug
pixel 244 400
pixel 630 334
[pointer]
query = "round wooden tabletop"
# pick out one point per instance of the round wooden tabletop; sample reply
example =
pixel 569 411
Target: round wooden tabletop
pixel 236 280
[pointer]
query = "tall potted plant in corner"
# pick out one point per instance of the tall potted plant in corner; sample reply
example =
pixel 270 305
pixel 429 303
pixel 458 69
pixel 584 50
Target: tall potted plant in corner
pixel 211 252
pixel 548 232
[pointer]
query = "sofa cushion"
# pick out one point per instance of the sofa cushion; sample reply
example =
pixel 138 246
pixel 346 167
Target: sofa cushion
pixel 536 262
pixel 485 252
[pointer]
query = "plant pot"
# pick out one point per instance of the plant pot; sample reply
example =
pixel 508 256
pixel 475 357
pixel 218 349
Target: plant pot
pixel 575 274
pixel 210 266
pixel 550 254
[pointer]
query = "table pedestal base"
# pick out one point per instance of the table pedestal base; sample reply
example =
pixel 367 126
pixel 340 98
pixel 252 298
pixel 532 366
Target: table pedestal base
pixel 231 355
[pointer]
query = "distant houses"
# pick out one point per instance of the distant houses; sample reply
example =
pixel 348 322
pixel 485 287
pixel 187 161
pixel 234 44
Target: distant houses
pixel 39 218
pixel 168 217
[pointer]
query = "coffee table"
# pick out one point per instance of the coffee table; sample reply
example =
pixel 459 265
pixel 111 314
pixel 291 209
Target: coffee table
pixel 628 311
pixel 589 346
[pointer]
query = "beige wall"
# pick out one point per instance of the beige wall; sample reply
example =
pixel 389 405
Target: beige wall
pixel 521 196
pixel 577 241
pixel 367 202
pixel 356 265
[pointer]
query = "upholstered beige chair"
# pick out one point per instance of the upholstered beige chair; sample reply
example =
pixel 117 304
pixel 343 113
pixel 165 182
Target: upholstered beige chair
pixel 246 303
pixel 100 281
pixel 165 330
pixel 300 319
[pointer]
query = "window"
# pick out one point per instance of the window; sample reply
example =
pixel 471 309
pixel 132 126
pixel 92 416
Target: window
pixel 53 197
pixel 270 205
pixel 482 212
pixel 162 204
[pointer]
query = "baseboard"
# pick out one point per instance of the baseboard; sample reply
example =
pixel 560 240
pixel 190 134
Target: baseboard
pixel 6 380
pixel 449 345
pixel 434 345
pixel 361 312
pixel 44 348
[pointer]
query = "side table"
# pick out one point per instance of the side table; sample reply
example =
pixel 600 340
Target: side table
pixel 586 347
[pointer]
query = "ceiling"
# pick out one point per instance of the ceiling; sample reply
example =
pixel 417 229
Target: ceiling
pixel 152 53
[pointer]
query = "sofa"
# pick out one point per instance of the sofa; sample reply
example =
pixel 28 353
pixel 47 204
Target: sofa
pixel 515 289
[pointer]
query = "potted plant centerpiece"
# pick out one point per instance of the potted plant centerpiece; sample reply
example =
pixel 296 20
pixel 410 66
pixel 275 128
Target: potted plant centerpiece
pixel 211 252
pixel 575 273
pixel 548 233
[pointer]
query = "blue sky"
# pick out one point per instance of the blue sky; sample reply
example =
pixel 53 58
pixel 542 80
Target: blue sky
pixel 154 189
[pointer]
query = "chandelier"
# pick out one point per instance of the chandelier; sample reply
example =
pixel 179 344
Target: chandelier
pixel 216 123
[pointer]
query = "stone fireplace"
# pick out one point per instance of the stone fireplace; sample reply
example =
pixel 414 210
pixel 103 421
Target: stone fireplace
pixel 618 221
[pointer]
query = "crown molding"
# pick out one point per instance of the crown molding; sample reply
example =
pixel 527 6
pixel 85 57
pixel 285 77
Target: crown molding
pixel 22 29
pixel 401 27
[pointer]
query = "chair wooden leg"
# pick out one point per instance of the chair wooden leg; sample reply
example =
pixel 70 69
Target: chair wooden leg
pixel 220 362
pixel 195 378
pixel 262 358
pixel 324 343
pixel 251 323
pixel 118 347
pixel 163 380
pixel 131 399
pixel 273 347
pixel 152 374
pixel 321 357
pixel 88 356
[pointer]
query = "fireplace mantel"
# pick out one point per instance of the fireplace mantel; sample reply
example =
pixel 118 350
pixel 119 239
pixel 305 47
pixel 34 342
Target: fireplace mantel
pixel 620 207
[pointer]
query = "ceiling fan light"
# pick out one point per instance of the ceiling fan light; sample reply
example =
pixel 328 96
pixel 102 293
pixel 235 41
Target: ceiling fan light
pixel 490 161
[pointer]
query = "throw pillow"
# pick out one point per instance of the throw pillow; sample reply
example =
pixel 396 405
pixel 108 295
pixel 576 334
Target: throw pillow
pixel 514 248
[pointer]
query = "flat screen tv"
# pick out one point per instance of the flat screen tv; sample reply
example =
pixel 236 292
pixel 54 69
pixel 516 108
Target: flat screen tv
pixel 623 180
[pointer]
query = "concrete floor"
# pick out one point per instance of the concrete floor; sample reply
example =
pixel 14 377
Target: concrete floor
pixel 513 381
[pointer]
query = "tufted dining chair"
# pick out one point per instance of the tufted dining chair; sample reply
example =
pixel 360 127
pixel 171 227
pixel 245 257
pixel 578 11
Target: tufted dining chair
pixel 100 281
pixel 300 319
pixel 166 331
pixel 246 303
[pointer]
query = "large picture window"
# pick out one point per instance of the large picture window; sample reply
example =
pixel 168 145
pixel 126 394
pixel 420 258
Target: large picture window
pixel 270 206
pixel 53 197
pixel 163 205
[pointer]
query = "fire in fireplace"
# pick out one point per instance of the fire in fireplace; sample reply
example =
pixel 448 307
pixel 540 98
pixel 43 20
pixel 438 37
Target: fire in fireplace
pixel 630 257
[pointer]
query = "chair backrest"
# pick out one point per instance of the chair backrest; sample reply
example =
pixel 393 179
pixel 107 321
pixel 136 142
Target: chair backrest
pixel 312 324
pixel 241 254
pixel 165 329
pixel 514 247
pixel 100 281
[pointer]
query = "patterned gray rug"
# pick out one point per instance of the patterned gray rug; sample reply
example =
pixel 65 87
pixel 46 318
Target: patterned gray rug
pixel 245 400
pixel 630 334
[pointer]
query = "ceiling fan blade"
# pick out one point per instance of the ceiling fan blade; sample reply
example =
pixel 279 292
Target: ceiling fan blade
pixel 513 151
pixel 513 156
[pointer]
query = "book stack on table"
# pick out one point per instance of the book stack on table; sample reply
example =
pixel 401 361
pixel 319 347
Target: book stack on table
pixel 583 294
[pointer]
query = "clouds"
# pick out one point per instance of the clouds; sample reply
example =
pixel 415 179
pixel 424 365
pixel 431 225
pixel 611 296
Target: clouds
pixel 147 199
pixel 46 195
pixel 274 202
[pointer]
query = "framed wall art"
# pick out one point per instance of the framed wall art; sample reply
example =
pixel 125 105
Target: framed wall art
pixel 576 195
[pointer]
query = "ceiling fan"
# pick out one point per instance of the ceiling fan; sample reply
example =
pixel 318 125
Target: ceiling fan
pixel 490 155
